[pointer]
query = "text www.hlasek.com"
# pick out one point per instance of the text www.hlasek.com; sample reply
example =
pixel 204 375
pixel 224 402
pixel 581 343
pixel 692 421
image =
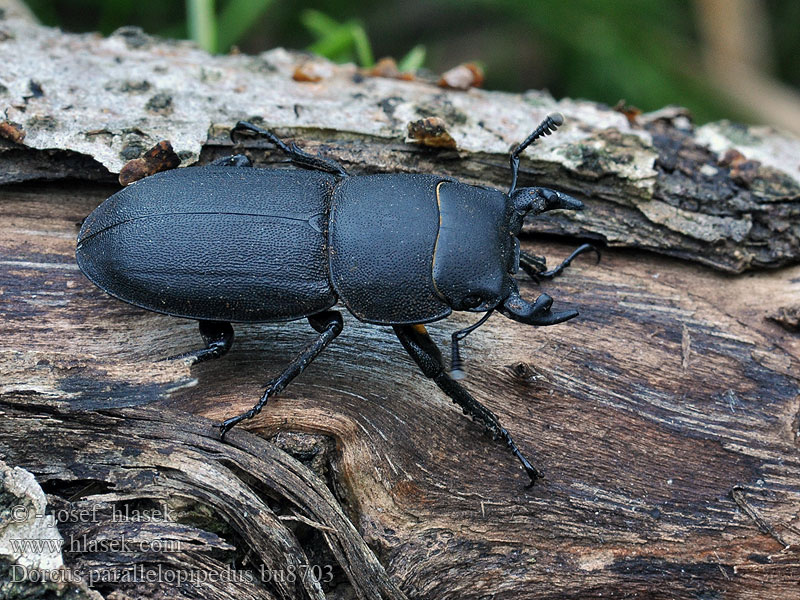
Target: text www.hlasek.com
pixel 87 544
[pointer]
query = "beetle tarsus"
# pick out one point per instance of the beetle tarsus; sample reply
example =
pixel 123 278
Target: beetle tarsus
pixel 227 425
pixel 328 324
pixel 582 249
pixel 426 354
pixel 270 391
pixel 533 473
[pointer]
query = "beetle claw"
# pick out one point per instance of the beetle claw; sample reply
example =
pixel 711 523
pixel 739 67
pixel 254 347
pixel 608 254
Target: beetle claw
pixel 227 425
pixel 534 474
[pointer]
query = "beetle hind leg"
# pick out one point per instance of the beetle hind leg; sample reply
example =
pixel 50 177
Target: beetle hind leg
pixel 328 325
pixel 426 354
pixel 218 337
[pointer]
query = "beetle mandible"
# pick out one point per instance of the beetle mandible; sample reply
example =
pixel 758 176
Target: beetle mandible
pixel 228 243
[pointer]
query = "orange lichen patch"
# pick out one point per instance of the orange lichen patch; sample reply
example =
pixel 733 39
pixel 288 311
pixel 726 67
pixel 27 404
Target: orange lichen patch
pixel 462 77
pixel 431 131
pixel 12 131
pixel 312 71
pixel 631 112
pixel 160 157
pixel 387 67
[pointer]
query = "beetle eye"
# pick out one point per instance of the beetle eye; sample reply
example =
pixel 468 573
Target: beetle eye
pixel 472 301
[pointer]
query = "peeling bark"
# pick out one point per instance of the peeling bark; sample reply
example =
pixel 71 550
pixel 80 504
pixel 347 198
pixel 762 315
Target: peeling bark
pixel 652 181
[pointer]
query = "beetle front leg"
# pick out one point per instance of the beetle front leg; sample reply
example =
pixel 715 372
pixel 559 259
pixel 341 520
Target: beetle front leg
pixel 329 325
pixel 536 266
pixel 532 264
pixel 426 354
pixel 218 337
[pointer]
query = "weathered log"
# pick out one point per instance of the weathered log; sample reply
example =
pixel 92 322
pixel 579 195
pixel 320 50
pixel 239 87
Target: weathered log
pixel 666 418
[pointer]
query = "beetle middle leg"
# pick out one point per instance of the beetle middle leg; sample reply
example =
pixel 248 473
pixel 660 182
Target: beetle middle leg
pixel 426 354
pixel 536 266
pixel 295 154
pixel 329 325
pixel 218 337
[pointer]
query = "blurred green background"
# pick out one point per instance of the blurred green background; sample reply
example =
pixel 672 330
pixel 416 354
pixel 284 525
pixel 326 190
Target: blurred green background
pixel 720 58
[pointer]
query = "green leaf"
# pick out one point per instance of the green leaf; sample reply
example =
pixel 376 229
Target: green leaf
pixel 236 18
pixel 334 45
pixel 413 60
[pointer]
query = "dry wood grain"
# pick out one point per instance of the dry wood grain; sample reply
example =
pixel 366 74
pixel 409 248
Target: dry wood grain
pixel 666 419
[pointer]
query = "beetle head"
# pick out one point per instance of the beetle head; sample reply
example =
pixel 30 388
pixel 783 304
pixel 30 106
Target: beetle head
pixel 477 252
pixel 535 200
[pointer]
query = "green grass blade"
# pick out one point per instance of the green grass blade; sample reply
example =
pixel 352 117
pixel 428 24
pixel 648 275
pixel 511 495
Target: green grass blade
pixel 335 45
pixel 202 23
pixel 319 24
pixel 413 60
pixel 362 45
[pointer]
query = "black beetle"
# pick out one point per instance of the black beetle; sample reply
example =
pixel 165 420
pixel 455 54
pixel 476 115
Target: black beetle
pixel 224 243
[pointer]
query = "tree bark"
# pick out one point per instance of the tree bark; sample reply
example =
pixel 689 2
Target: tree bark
pixel 666 417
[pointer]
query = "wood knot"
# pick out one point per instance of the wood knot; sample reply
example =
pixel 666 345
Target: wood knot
pixel 525 372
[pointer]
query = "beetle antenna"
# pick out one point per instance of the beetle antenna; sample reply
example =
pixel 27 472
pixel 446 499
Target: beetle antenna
pixel 456 363
pixel 546 127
